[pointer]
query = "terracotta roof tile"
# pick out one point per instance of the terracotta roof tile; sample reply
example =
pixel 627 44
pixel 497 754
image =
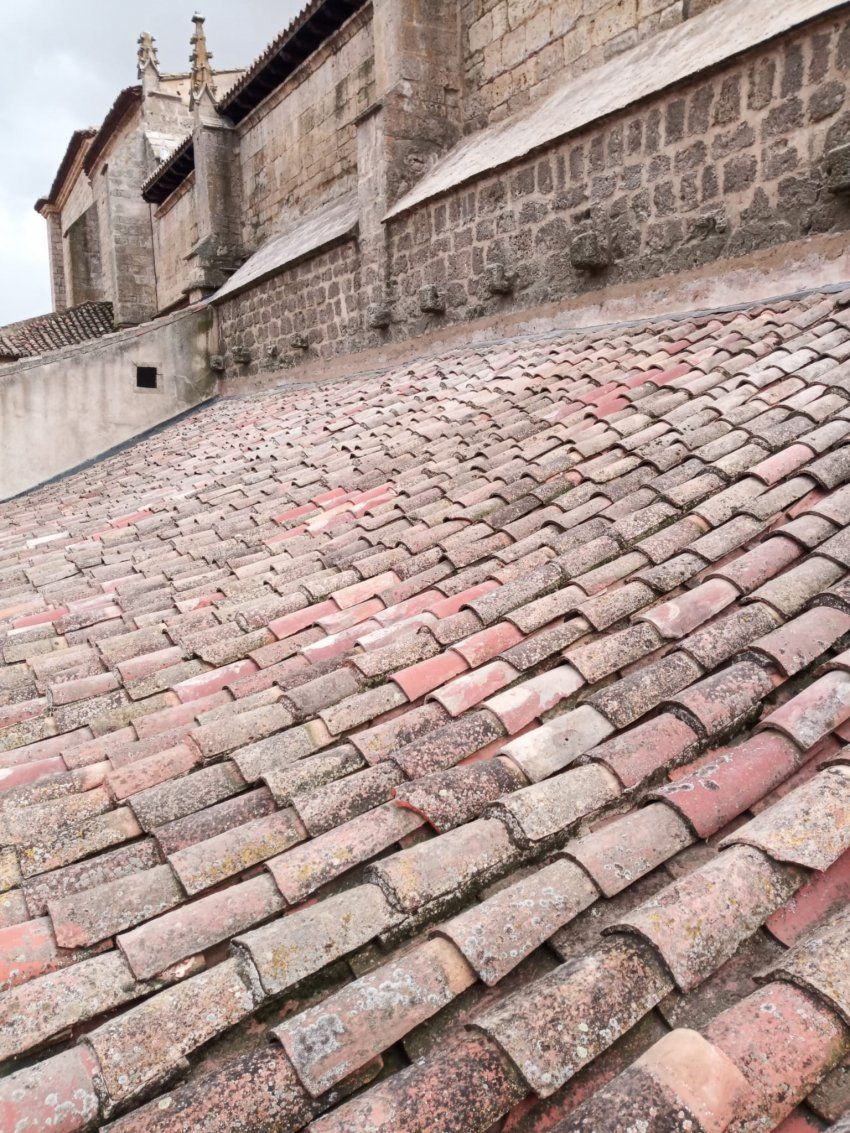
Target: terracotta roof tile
pixel 206 863
pixel 557 743
pixel 499 933
pixel 804 1039
pixel 699 920
pixel 815 711
pixel 417 985
pixel 731 780
pixel 456 796
pixel 560 1023
pixel 291 682
pixel 129 1049
pixel 808 827
pixel 456 860
pixel 683 1080
pixel 46 333
pixel 300 871
pixel 103 910
pixel 636 694
pixel 621 851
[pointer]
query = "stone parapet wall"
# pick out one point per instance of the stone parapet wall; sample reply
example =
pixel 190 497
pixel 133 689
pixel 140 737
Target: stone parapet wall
pixel 311 309
pixel 718 167
pixel 65 408
pixel 730 162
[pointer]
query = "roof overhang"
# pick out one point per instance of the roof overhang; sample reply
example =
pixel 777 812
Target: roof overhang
pixel 127 100
pixel 311 27
pixel 79 143
pixel 171 173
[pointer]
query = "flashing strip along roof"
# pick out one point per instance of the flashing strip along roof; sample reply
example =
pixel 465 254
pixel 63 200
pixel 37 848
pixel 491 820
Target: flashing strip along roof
pixel 320 229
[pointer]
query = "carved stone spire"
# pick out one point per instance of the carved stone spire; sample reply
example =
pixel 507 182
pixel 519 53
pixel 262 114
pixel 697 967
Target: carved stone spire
pixel 202 72
pixel 147 54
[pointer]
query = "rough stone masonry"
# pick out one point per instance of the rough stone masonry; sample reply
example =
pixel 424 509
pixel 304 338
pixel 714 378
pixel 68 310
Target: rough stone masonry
pixel 500 154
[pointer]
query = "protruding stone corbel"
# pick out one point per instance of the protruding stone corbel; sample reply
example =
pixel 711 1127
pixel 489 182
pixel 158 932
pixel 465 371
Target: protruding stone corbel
pixel 838 169
pixel 430 300
pixel 499 281
pixel 589 250
pixel 378 316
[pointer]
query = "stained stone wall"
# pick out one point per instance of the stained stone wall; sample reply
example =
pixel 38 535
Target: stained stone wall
pixel 78 205
pixel 175 234
pixel 298 149
pixel 516 51
pixel 725 164
pixel 126 240
pixel 73 405
pixel 85 282
pixel 721 166
pixel 313 309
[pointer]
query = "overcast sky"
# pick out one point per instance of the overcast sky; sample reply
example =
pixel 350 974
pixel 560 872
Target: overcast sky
pixel 61 64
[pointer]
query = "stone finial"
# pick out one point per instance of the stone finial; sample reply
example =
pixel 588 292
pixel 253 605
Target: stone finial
pixel 147 54
pixel 202 72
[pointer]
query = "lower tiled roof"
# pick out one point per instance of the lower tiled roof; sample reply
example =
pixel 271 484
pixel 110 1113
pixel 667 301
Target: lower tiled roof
pixel 455 749
pixel 56 330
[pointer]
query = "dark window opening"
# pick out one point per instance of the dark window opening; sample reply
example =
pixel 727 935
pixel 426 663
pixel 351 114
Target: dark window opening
pixel 146 377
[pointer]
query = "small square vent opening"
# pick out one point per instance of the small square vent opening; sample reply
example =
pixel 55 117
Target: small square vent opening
pixel 146 377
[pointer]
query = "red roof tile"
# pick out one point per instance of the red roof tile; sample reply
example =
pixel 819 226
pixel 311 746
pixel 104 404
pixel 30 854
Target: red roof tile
pixel 45 333
pixel 372 698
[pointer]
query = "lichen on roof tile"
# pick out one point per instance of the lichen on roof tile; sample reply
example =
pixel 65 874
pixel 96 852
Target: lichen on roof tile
pixel 339 710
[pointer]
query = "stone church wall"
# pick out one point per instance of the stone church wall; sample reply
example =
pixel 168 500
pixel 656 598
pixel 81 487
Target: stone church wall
pixel 175 233
pixel 125 225
pixel 717 168
pixel 516 51
pixel 298 149
pixel 720 166
pixel 313 308
pixel 79 205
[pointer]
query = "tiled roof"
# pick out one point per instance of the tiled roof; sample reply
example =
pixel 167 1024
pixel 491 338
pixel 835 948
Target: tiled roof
pixel 316 21
pixel 459 748
pixel 56 330
pixel 128 99
pixel 80 140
